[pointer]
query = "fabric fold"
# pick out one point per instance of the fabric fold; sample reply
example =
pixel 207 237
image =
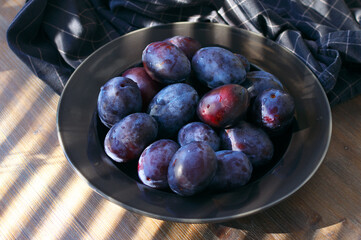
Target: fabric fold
pixel 53 37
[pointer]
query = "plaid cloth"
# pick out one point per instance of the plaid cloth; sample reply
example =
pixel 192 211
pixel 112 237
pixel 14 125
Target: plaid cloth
pixel 53 37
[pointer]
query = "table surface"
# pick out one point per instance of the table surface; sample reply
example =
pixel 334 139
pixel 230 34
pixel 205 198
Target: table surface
pixel 42 197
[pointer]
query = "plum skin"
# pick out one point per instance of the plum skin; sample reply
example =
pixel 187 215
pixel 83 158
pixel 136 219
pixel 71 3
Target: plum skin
pixel 234 170
pixel 198 131
pixel 148 87
pixel 251 140
pixel 126 140
pixel 259 81
pixel 154 161
pixel 192 168
pixel 216 66
pixel 273 110
pixel 166 63
pixel 224 106
pixel 118 98
pixel 173 107
pixel 245 62
pixel 187 44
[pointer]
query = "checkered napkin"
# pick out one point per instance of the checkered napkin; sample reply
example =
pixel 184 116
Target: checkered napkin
pixel 53 37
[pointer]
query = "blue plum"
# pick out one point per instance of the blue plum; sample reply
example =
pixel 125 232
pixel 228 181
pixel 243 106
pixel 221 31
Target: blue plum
pixel 273 110
pixel 224 106
pixel 192 168
pixel 117 98
pixel 126 140
pixel 217 66
pixel 251 140
pixel 245 62
pixel 258 81
pixel 234 170
pixel 154 161
pixel 173 107
pixel 165 62
pixel 198 131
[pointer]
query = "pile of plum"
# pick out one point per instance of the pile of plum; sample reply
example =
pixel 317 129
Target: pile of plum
pixel 193 117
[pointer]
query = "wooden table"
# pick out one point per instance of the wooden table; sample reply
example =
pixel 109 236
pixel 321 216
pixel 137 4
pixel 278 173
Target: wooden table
pixel 42 197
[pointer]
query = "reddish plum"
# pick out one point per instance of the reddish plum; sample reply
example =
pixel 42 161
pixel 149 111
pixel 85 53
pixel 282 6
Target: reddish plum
pixel 187 44
pixel 148 87
pixel 224 106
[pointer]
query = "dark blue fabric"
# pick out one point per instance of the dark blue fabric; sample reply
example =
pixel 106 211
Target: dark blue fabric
pixel 53 37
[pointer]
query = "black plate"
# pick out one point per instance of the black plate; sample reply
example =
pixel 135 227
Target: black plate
pixel 81 135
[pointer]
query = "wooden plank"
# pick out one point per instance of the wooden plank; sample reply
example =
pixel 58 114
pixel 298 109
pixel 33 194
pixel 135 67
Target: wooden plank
pixel 41 197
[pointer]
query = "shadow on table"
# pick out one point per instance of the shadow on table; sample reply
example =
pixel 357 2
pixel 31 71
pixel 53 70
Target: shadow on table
pixel 293 218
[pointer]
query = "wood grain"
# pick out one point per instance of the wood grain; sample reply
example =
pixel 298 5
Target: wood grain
pixel 41 197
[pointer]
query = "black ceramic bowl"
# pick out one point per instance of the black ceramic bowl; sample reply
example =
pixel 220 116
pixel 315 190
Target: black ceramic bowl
pixel 81 134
